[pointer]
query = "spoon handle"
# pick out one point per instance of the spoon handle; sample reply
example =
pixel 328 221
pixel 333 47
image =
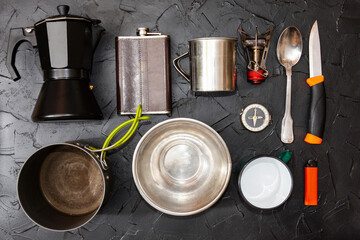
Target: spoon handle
pixel 287 135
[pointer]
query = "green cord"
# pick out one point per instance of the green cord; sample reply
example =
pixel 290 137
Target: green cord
pixel 135 123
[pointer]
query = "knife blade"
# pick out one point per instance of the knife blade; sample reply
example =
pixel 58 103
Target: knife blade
pixel 316 83
pixel 314 51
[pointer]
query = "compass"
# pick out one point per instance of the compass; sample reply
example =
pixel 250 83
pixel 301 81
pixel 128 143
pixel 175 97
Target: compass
pixel 255 117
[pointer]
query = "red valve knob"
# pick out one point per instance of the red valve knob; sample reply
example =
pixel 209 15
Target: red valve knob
pixel 255 76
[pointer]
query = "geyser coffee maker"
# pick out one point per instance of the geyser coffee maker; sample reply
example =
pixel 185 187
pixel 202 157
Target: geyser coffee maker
pixel 66 44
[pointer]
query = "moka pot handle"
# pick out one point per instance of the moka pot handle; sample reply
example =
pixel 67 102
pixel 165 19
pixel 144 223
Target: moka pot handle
pixel 18 36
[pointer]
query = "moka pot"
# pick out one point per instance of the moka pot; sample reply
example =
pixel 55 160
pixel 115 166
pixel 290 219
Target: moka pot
pixel 66 44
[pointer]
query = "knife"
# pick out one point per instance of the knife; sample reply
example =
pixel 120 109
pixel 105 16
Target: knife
pixel 316 83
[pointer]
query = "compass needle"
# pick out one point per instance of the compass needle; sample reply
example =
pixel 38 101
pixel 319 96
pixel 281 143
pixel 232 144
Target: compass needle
pixel 254 117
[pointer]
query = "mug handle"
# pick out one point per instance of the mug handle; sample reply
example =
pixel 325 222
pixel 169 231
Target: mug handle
pixel 176 63
pixel 285 156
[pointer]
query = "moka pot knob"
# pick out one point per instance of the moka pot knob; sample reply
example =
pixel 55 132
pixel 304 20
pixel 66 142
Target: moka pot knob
pixel 63 9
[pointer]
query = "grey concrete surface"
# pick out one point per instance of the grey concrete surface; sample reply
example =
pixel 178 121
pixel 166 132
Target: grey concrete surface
pixel 126 215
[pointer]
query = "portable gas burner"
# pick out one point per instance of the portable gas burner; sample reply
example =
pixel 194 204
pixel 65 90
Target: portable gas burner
pixel 253 47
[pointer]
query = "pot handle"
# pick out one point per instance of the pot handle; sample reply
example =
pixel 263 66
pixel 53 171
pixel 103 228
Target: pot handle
pixel 18 36
pixel 134 124
pixel 176 63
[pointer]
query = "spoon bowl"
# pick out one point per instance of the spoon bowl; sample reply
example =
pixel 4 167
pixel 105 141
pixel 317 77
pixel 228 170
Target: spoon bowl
pixel 288 52
pixel 289 47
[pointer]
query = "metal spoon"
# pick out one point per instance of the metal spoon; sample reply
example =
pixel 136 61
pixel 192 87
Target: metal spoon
pixel 288 52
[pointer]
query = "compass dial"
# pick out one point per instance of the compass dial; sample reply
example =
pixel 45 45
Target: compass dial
pixel 255 117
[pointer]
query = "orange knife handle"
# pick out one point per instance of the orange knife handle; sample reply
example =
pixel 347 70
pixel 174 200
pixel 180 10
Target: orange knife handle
pixel 317 110
pixel 311 183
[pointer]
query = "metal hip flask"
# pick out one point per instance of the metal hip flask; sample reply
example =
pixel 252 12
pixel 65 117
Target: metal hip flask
pixel 142 73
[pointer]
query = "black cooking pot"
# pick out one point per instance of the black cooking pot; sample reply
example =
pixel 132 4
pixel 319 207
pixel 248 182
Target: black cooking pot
pixel 62 186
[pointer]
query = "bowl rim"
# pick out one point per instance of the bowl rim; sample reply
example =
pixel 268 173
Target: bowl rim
pixel 149 200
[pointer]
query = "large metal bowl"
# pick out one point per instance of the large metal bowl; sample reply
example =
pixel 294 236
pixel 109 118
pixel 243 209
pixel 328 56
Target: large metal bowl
pixel 181 166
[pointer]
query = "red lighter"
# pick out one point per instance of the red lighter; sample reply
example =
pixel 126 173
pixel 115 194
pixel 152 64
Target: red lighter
pixel 311 183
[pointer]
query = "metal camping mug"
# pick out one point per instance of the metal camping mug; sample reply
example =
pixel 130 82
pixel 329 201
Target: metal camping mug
pixel 212 64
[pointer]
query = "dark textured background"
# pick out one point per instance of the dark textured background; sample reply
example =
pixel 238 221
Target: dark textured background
pixel 126 215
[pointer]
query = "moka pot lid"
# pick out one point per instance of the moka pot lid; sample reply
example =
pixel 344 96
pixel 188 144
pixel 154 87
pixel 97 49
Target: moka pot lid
pixel 64 16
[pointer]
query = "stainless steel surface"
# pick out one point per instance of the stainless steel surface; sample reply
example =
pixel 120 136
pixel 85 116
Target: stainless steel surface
pixel 176 63
pixel 141 31
pixel 61 187
pixel 289 47
pixel 212 64
pixel 315 51
pixel 266 50
pixel 143 74
pixel 145 32
pixel 288 51
pixel 181 166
